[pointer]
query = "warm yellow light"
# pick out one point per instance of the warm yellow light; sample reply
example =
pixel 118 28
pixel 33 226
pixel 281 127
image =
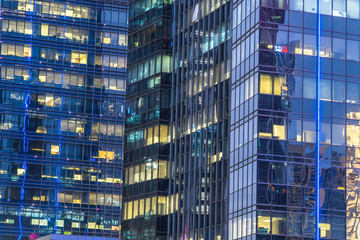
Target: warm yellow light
pixel 279 132
pixel 107 155
pixel 20 172
pixel 55 149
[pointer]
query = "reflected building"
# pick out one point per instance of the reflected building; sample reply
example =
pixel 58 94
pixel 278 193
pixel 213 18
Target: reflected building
pixel 62 86
pixel 294 120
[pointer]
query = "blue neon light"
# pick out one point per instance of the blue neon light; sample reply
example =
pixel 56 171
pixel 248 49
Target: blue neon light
pixel 318 124
pixel 24 166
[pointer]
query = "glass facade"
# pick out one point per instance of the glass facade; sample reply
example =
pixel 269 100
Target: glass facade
pixel 145 197
pixel 62 86
pixel 294 141
pixel 199 153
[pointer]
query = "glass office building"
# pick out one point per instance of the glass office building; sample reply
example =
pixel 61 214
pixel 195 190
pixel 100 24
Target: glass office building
pixel 200 120
pixel 147 120
pixel 294 141
pixel 62 89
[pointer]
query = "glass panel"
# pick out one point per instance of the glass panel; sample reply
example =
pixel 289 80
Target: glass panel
pixel 265 84
pixel 353 9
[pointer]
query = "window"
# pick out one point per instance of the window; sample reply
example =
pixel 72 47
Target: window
pixel 162 205
pixel 55 149
pixel 353 50
pixel 309 45
pixel 136 209
pixel 166 64
pixel 325 134
pixel 141 207
pixel 18 50
pixel 352 92
pixel 278 223
pixel 265 84
pixel 279 132
pixel 339 8
pixel 325 47
pixel 44 30
pixel 296 5
pixel 280 87
pixel 325 7
pixel 163 169
pixel 26 5
pixel 310 6
pixel 339 45
pixel 338 134
pixel 263 222
pixel 21 172
pixel 79 57
pixel 353 135
pixel 353 9
pixel 60 223
pixel 309 86
pixel 294 130
pixel 122 40
pixel 164 134
pixel 109 155
pixel 325 90
pixel 338 91
pixel 106 38
pixel 309 134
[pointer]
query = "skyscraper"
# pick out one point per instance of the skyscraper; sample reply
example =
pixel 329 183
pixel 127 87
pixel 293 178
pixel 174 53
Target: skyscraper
pixel 199 153
pixel 147 120
pixel 294 120
pixel 267 147
pixel 61 117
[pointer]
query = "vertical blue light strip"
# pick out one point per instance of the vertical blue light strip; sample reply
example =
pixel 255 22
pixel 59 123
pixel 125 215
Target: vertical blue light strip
pixel 318 124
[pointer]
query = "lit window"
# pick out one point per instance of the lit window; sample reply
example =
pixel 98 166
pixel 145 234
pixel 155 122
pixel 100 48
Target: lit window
pixel 44 30
pixel 264 223
pixel 34 221
pixel 79 57
pixel 26 5
pixel 36 198
pixel 279 132
pixel 280 87
pixel 49 100
pixel 107 155
pixel 106 38
pixel 43 222
pixel 164 134
pixel 27 51
pixel 91 225
pixel 75 224
pixel 77 177
pixel 265 84
pixel 20 172
pixel 122 40
pixel 325 230
pixel 163 169
pixel 162 205
pixel 10 221
pixel 60 223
